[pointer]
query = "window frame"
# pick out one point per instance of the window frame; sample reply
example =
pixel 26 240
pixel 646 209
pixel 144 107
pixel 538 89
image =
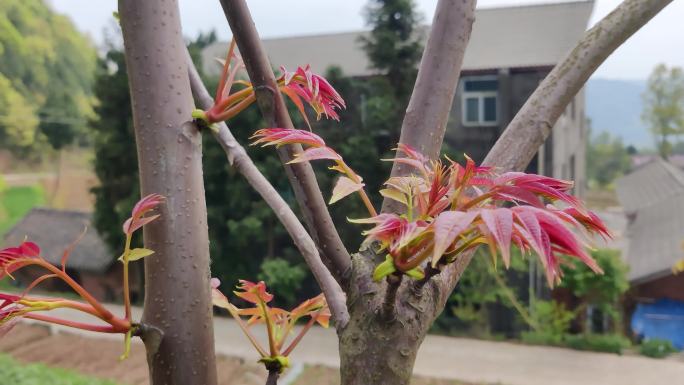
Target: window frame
pixel 480 96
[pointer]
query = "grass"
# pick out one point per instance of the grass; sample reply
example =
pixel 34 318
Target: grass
pixel 15 373
pixel 15 202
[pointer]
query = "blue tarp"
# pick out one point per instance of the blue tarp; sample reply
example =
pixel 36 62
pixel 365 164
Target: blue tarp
pixel 663 319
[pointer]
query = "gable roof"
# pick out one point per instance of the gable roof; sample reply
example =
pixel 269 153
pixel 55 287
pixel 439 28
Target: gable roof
pixel 507 37
pixel 649 184
pixel 55 230
pixel 653 198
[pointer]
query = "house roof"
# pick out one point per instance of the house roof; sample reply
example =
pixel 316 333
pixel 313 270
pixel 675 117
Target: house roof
pixel 653 198
pixel 508 37
pixel 55 230
pixel 649 184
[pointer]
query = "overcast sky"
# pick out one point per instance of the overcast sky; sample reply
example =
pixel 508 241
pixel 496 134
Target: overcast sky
pixel 659 41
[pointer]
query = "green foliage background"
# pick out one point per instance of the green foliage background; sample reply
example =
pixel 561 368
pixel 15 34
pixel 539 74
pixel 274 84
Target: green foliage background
pixel 46 74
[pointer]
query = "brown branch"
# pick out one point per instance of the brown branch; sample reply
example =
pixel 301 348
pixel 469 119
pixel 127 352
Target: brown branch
pixel 170 161
pixel 272 377
pixel 533 123
pixel 272 105
pixel 428 110
pixel 240 160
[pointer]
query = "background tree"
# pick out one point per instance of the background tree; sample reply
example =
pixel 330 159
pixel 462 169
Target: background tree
pixel 664 106
pixel 46 74
pixel 394 47
pixel 607 159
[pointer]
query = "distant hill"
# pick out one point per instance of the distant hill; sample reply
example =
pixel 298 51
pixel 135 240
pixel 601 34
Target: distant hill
pixel 615 106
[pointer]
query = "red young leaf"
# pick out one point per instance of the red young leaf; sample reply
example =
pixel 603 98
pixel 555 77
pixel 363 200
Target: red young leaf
pixel 499 221
pixel 316 153
pixel 447 227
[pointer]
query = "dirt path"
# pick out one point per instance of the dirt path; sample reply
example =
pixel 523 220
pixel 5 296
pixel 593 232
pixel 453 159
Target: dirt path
pixel 469 360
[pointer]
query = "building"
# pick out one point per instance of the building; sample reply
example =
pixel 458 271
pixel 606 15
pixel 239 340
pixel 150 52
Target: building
pixel 510 51
pixel 653 200
pixel 90 263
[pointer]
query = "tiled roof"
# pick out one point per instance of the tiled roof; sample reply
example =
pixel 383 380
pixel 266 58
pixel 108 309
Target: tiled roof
pixel 507 37
pixel 653 199
pixel 55 230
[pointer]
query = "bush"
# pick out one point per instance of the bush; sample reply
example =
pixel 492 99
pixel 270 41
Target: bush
pixel 551 317
pixel 608 343
pixel 542 338
pixel 656 348
pixel 283 277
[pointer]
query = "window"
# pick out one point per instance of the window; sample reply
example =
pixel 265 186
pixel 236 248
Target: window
pixel 479 101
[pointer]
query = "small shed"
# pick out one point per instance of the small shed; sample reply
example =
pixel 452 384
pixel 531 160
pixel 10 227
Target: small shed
pixel 91 264
pixel 653 199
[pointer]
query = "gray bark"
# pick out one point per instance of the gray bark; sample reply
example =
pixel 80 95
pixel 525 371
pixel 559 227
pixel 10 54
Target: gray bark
pixel 177 296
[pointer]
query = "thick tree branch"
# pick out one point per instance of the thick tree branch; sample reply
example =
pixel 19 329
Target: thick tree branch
pixel 177 292
pixel 428 110
pixel 273 108
pixel 532 124
pixel 240 160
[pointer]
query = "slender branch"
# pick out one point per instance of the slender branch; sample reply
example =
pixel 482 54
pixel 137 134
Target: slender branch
pixel 272 105
pixel 428 110
pixel 238 158
pixel 532 124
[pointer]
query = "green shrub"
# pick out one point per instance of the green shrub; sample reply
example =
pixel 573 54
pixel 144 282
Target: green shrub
pixel 541 338
pixel 282 277
pixel 608 343
pixel 551 317
pixel 656 348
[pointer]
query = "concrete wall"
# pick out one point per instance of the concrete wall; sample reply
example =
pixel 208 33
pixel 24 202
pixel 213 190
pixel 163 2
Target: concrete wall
pixel 563 154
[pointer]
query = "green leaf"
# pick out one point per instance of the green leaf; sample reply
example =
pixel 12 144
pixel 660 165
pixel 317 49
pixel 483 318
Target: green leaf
pixel 415 273
pixel 384 269
pixel 394 195
pixel 136 254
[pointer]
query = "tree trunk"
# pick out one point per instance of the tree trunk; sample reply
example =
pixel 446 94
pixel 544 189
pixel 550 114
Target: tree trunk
pixel 177 297
pixel 379 347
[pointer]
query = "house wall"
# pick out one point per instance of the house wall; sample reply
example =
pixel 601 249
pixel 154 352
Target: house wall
pixel 563 154
pixel 670 286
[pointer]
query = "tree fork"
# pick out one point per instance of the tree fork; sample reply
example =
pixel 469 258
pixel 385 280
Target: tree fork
pixel 170 162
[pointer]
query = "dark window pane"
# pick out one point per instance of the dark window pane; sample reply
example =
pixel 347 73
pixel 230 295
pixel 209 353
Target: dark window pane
pixel 472 113
pixel 481 85
pixel 490 109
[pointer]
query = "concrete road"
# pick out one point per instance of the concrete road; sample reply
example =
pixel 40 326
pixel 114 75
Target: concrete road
pixel 469 360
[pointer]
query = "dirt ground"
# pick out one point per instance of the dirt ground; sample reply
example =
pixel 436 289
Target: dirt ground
pixel 99 358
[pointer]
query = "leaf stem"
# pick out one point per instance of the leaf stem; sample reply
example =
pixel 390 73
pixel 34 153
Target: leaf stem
pixel 126 284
